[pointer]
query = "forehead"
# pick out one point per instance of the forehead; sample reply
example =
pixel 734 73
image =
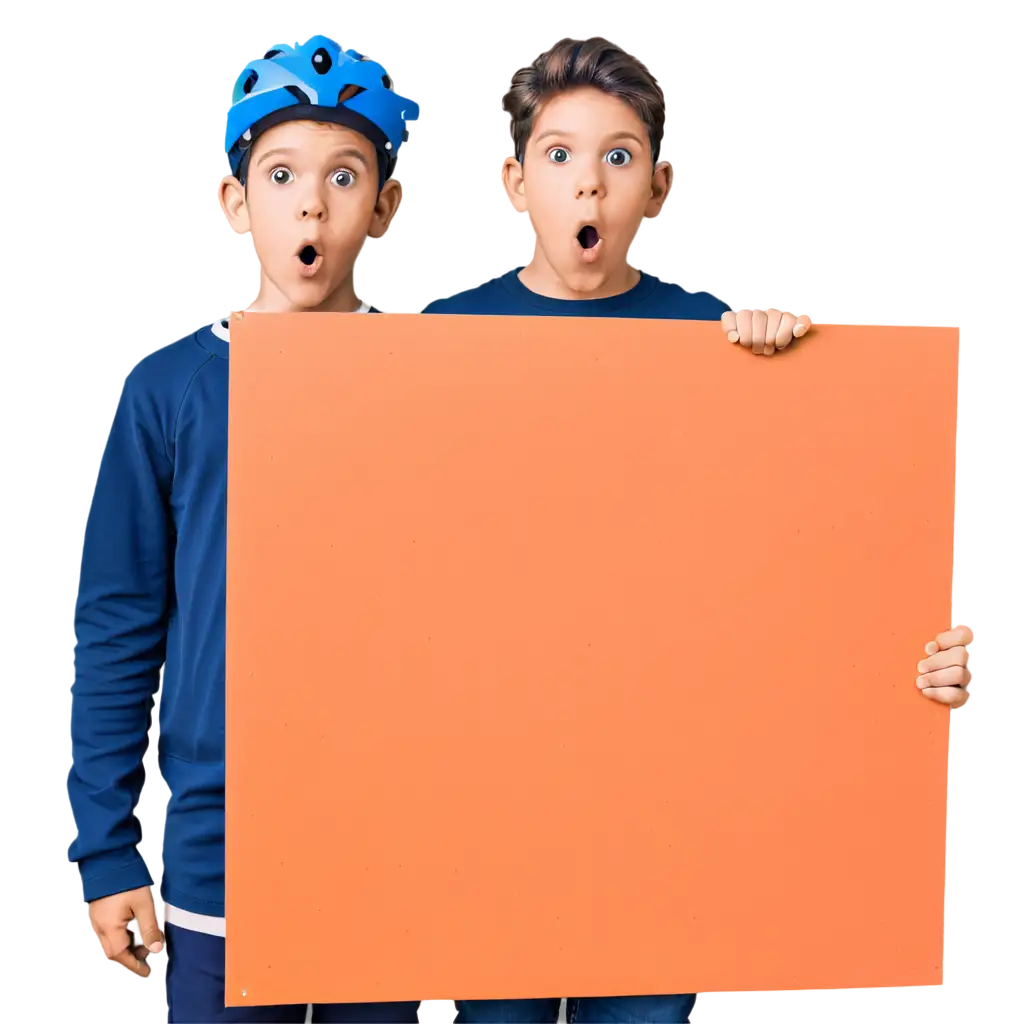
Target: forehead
pixel 587 111
pixel 311 138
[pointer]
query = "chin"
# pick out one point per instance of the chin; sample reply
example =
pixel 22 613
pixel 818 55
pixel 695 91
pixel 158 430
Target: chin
pixel 304 297
pixel 583 281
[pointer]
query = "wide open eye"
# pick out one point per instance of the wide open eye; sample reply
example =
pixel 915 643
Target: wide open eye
pixel 281 176
pixel 343 178
pixel 559 155
pixel 619 157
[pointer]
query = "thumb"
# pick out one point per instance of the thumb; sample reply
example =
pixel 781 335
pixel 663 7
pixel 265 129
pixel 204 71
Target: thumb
pixel 729 325
pixel 145 915
pixel 802 326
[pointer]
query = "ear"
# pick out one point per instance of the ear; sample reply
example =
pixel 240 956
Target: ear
pixel 232 202
pixel 515 187
pixel 387 206
pixel 661 184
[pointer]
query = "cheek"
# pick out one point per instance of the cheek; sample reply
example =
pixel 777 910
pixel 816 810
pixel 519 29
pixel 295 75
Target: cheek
pixel 630 199
pixel 549 201
pixel 351 211
pixel 269 224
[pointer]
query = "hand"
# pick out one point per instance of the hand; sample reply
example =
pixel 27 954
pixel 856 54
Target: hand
pixel 110 918
pixel 944 674
pixel 764 330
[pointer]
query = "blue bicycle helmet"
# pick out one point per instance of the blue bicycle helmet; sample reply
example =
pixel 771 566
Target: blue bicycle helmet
pixel 317 81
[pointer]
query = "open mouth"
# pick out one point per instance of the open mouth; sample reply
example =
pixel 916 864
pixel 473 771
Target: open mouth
pixel 588 236
pixel 308 255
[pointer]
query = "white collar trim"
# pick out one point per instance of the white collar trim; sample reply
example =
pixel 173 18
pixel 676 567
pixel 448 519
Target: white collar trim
pixel 221 328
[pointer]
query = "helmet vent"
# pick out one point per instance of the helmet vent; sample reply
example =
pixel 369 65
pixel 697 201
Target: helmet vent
pixel 348 92
pixel 322 62
pixel 249 82
pixel 297 93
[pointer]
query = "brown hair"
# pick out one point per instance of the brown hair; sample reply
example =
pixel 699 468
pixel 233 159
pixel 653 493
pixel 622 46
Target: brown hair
pixel 594 62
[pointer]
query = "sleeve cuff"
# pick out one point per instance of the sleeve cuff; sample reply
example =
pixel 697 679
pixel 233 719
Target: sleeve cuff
pixel 110 873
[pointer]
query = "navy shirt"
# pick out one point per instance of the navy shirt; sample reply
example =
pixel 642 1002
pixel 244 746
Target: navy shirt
pixel 152 596
pixel 649 298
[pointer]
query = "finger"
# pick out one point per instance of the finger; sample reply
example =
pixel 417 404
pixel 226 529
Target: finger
pixel 944 659
pixel 955 637
pixel 145 914
pixel 134 964
pixel 954 696
pixel 120 947
pixel 785 333
pixel 729 325
pixel 803 325
pixel 743 325
pixel 150 960
pixel 771 329
pixel 955 676
pixel 760 322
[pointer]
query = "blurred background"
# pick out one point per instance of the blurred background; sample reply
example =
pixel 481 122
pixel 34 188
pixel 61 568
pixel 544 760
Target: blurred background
pixel 827 157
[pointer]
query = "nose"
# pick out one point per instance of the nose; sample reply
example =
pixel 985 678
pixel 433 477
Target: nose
pixel 312 205
pixel 590 185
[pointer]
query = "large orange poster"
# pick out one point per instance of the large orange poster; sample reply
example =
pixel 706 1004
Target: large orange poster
pixel 577 657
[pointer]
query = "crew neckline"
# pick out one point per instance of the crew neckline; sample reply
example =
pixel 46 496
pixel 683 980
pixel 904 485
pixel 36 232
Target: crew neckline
pixel 579 307
pixel 219 339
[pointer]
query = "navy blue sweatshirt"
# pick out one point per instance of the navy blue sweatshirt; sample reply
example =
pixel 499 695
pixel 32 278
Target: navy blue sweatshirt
pixel 649 298
pixel 152 596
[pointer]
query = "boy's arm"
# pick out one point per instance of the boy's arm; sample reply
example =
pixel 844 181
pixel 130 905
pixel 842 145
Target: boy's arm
pixel 121 628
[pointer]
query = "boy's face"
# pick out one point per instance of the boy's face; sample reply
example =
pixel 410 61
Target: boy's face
pixel 311 201
pixel 587 182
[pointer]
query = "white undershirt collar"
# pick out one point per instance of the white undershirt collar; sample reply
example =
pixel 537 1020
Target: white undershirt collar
pixel 221 328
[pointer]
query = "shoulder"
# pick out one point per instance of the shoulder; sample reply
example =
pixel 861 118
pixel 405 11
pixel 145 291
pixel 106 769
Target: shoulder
pixel 677 303
pixel 155 388
pixel 488 297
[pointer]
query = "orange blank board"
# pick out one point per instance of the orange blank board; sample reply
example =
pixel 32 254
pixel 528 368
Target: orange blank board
pixel 576 657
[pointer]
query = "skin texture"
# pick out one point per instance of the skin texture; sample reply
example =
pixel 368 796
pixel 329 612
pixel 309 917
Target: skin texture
pixel 309 183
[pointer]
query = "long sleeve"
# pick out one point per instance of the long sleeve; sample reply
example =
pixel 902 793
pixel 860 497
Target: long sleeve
pixel 121 622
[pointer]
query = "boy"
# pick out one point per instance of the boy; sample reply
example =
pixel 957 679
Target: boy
pixel 591 118
pixel 587 123
pixel 312 138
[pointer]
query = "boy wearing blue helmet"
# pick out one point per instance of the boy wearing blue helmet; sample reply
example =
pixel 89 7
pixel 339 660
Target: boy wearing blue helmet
pixel 312 139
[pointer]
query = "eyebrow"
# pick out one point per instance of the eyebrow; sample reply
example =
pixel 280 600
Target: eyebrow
pixel 349 151
pixel 609 138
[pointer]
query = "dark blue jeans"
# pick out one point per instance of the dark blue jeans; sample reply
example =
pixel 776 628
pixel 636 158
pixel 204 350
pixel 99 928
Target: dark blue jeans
pixel 195 992
pixel 597 1010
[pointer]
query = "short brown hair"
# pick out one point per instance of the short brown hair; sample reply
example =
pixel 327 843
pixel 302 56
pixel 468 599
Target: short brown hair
pixel 593 62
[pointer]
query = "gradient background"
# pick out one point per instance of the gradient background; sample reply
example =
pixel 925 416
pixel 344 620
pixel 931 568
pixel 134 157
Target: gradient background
pixel 843 165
